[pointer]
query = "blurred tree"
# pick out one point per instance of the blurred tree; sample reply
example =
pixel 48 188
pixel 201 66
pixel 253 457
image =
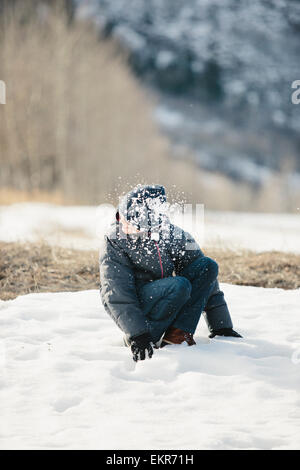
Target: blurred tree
pixel 31 6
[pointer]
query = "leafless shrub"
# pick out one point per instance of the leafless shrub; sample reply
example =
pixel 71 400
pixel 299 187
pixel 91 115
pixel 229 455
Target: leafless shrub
pixel 75 120
pixel 76 126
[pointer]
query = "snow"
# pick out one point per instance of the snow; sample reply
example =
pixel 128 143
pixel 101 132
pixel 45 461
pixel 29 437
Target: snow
pixel 67 381
pixel 254 231
pixel 168 118
pixel 82 227
pixel 71 226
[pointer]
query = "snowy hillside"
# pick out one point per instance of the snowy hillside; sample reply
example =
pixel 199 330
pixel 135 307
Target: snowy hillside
pixel 81 227
pixel 220 49
pixel 68 382
pixel 233 62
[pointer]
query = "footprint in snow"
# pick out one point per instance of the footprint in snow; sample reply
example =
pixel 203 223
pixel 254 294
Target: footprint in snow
pixel 63 404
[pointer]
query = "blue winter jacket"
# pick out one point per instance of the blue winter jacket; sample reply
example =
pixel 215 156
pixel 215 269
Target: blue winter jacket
pixel 160 250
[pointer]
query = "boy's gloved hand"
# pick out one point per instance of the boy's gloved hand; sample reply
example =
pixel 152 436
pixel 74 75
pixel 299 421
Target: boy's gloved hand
pixel 139 345
pixel 225 332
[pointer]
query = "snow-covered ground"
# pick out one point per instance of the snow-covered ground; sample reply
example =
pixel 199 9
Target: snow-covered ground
pixel 68 382
pixel 82 227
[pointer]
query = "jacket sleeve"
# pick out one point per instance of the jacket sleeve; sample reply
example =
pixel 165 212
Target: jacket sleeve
pixel 118 291
pixel 185 249
pixel 216 310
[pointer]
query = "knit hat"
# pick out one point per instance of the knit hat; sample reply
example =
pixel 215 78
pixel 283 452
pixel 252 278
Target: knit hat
pixel 143 206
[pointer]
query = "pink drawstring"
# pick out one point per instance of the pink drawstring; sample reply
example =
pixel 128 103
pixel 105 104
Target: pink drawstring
pixel 160 262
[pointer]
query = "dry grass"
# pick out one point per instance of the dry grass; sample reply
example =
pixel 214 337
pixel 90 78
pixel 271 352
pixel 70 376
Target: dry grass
pixel 26 268
pixel 12 196
pixel 75 120
pixel 29 267
pixel 267 269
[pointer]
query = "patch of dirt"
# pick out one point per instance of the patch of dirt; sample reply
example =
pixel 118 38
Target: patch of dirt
pixel 30 267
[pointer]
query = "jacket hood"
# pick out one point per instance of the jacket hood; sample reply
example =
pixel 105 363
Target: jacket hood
pixel 144 207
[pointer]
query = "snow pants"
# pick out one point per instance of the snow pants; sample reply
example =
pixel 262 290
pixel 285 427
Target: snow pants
pixel 178 301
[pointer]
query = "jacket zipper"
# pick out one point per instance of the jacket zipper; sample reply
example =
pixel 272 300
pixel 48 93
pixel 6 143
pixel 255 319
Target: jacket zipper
pixel 160 262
